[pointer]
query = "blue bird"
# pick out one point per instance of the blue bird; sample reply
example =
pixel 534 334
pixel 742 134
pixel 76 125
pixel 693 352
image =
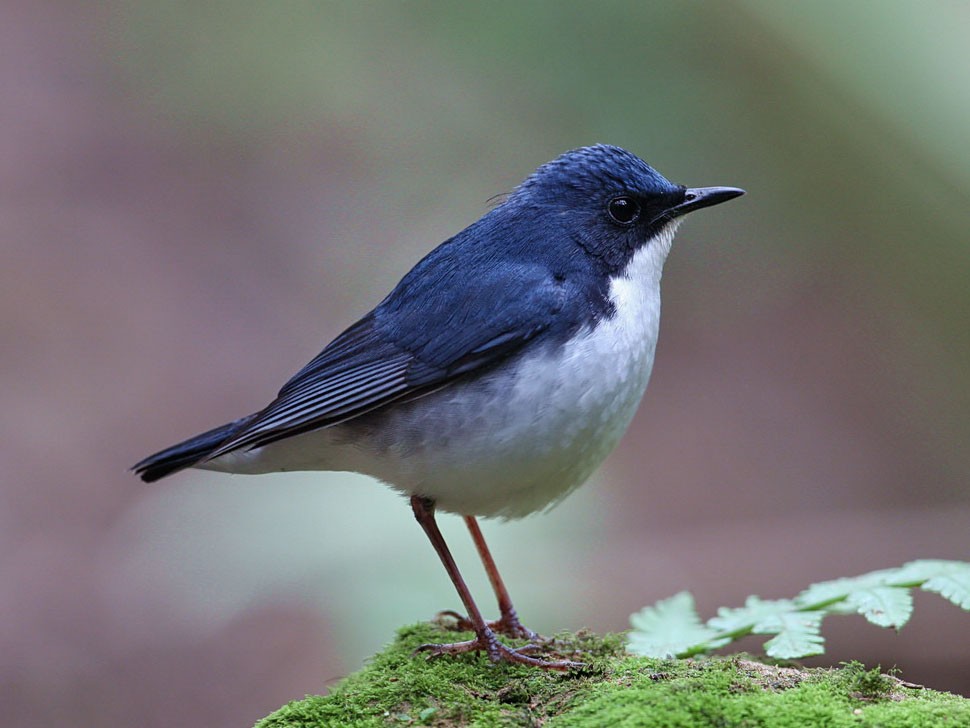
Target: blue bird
pixel 496 376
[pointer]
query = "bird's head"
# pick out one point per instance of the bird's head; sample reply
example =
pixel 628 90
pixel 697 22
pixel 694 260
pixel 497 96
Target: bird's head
pixel 610 201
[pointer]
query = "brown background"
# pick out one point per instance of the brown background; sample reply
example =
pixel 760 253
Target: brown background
pixel 194 200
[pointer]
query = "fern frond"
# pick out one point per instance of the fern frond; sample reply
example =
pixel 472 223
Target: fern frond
pixel 884 598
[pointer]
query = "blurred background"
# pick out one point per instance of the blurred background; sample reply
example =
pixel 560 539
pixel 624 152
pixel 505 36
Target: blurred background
pixel 195 197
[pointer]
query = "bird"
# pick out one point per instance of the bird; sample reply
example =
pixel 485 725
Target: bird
pixel 497 374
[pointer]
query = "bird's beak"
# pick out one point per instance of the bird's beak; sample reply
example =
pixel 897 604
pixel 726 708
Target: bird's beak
pixel 697 197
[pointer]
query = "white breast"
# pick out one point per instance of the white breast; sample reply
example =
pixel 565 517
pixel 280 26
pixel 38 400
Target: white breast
pixel 513 442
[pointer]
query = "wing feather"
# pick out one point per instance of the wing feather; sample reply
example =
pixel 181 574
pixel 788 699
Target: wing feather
pixel 418 340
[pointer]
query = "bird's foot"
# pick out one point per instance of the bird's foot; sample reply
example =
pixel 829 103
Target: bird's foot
pixel 488 643
pixel 509 625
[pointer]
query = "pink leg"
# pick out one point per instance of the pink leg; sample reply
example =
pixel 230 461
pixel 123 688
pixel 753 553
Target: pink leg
pixel 508 623
pixel 485 639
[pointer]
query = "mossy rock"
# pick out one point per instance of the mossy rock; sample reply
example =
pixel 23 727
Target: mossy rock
pixel 401 688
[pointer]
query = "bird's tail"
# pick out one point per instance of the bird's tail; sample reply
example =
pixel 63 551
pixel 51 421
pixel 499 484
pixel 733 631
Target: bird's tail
pixel 186 454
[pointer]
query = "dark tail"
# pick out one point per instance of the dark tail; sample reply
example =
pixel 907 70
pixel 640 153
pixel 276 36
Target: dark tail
pixel 186 454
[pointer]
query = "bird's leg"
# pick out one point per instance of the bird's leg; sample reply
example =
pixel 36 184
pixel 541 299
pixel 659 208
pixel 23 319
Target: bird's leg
pixel 485 639
pixel 508 623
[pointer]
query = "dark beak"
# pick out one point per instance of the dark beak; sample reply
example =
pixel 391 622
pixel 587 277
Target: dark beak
pixel 697 197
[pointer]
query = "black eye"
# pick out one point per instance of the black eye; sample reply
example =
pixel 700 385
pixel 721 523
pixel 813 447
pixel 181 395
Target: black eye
pixel 623 209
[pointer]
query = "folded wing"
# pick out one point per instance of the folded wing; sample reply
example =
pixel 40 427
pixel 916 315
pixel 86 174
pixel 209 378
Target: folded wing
pixel 418 340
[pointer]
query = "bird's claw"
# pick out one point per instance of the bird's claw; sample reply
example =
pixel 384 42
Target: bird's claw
pixel 498 652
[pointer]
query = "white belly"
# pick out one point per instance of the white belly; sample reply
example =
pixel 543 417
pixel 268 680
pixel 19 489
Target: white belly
pixel 511 453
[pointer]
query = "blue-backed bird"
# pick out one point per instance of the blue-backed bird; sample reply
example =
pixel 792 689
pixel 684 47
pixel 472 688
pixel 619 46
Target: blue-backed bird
pixel 498 373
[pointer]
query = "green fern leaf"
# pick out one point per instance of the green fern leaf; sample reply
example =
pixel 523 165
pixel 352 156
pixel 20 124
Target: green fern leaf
pixel 828 593
pixel 952 582
pixel 885 606
pixel 914 573
pixel 797 634
pixel 671 627
pixel 754 611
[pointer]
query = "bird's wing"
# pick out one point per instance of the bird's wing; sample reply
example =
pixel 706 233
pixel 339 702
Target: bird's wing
pixel 423 336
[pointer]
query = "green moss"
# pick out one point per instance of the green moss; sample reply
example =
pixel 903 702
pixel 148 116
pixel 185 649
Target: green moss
pixel 866 684
pixel 400 688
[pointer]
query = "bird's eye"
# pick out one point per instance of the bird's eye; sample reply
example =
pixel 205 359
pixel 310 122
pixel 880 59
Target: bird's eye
pixel 624 210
